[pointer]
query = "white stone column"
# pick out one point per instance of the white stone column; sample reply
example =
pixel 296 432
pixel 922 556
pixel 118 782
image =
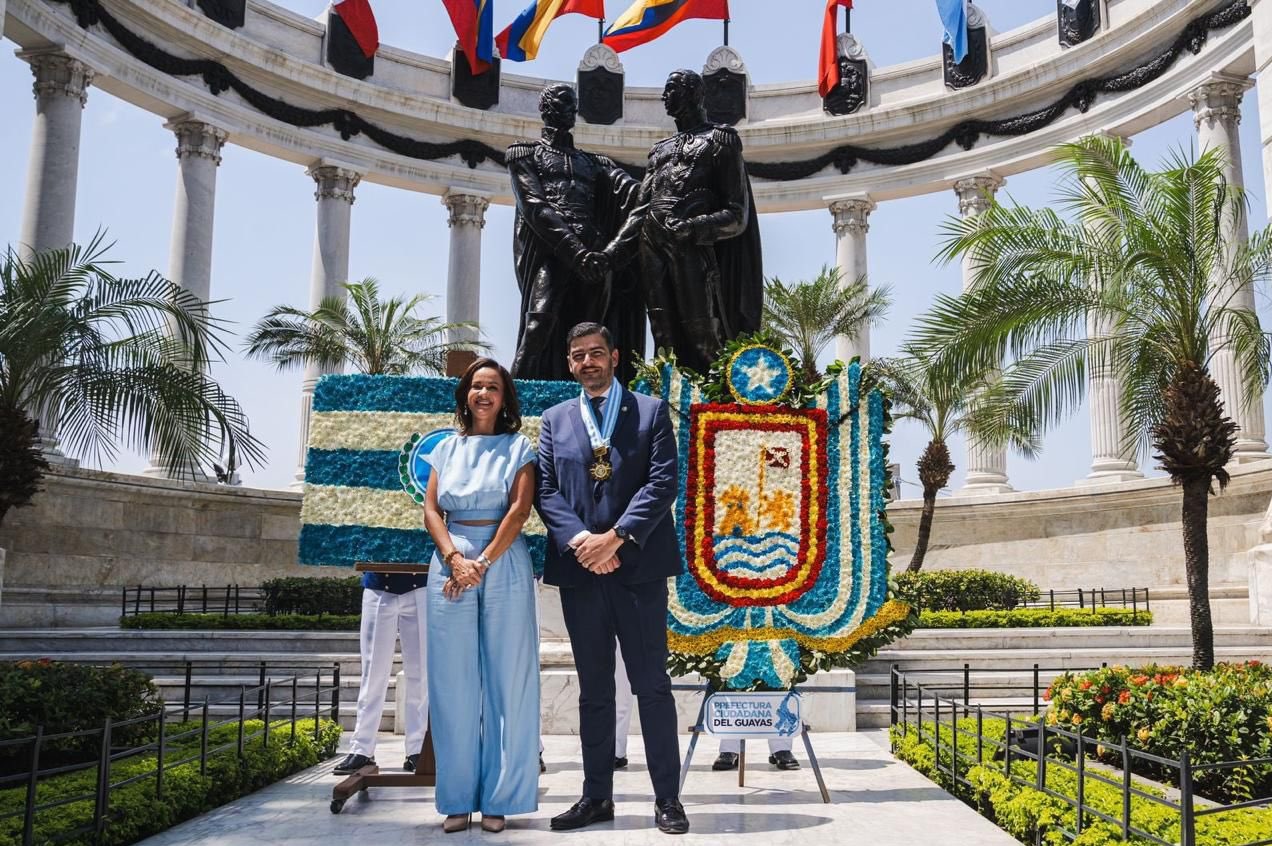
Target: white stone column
pixel 463 277
pixel 61 91
pixel 851 224
pixel 1112 460
pixel 986 466
pixel 190 252
pixel 334 194
pixel 1217 113
pixel 48 214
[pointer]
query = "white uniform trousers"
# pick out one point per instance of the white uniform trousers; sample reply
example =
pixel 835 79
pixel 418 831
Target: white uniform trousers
pixel 623 699
pixel 384 616
pixel 775 744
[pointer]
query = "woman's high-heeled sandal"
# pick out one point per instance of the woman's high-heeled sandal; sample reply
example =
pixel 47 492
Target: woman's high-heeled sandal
pixel 492 823
pixel 456 823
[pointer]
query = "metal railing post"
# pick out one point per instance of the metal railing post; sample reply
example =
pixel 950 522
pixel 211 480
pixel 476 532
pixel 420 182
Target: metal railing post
pixel 102 805
pixel 317 706
pixel 905 706
pixel 1036 685
pixel 33 781
pixel 185 702
pixel 205 599
pixel 1081 767
pixel 967 686
pixel 203 741
pixel 1126 790
pixel 1041 772
pixel 335 694
pixel 265 742
pixel 980 736
pixel 293 708
pixel 241 716
pixel 892 696
pixel 260 687
pixel 163 722
pixel 1187 823
pixel 123 607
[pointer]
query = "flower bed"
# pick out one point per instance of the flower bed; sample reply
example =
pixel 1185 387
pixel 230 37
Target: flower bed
pixel 1033 618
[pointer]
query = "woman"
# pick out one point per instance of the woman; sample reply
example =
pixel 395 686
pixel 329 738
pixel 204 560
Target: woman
pixel 483 644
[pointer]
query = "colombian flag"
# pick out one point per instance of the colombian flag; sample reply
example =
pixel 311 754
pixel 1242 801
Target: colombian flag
pixel 646 20
pixel 520 41
pixel 828 64
pixel 474 25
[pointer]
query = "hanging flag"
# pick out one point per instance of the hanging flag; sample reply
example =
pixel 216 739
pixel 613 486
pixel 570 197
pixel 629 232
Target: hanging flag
pixel 474 26
pixel 954 16
pixel 646 20
pixel 359 20
pixel 520 41
pixel 828 63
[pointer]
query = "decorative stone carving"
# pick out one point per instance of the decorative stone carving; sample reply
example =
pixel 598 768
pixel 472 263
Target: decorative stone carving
pixel 229 13
pixel 199 140
pixel 975 65
pixel 1217 102
pixel 59 74
pixel 853 90
pixel 334 183
pixel 852 217
pixel 726 86
pixel 600 85
pixel 1077 20
pixel 976 193
pixel 475 92
pixel 466 210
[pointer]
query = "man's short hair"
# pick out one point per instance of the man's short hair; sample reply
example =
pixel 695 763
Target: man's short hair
pixel 589 327
pixel 555 95
pixel 692 80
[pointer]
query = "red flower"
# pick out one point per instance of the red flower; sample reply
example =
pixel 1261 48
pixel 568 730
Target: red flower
pixel 1085 684
pixel 1124 697
pixel 1139 681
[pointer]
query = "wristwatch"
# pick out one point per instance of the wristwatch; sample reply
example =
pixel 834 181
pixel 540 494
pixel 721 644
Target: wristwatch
pixel 484 561
pixel 622 533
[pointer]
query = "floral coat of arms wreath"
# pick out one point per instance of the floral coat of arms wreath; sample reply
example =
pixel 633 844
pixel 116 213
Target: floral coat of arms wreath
pixel 785 538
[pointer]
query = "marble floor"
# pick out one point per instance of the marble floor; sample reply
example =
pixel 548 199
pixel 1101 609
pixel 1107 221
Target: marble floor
pixel 874 799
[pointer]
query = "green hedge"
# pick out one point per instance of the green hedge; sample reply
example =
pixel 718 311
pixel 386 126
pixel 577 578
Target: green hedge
pixel 137 811
pixel 68 698
pixel 1221 715
pixel 965 590
pixel 1033 618
pixel 300 595
pixel 240 622
pixel 1027 813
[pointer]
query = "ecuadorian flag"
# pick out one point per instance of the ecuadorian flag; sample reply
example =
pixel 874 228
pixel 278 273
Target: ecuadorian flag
pixel 520 41
pixel 646 20
pixel 474 26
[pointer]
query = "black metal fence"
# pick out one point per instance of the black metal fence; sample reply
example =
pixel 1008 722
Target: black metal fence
pixel 315 696
pixel 188 599
pixel 934 714
pixel 1134 598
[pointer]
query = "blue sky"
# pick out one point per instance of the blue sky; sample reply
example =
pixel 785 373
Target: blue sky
pixel 265 208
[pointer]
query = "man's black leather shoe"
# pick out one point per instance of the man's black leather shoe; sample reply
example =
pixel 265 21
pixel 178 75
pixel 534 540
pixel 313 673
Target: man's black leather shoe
pixel 670 817
pixel 352 763
pixel 725 761
pixel 620 763
pixel 784 760
pixel 585 812
pixel 543 768
pixel 409 763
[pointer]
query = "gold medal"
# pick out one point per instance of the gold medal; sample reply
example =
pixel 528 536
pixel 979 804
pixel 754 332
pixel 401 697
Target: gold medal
pixel 601 469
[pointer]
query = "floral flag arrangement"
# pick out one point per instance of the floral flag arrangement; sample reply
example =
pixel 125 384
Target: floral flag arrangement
pixel 363 431
pixel 782 490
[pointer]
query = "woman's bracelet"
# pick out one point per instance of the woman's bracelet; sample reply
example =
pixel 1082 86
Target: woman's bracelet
pixel 484 561
pixel 449 556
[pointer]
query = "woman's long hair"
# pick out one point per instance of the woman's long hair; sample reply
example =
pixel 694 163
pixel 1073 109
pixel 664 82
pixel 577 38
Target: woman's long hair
pixel 509 419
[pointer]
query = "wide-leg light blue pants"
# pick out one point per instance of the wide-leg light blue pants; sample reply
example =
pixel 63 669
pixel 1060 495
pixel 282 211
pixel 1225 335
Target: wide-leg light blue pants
pixel 483 683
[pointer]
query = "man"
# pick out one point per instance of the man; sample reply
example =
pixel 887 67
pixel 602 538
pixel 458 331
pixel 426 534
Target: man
pixel 780 754
pixel 607 484
pixel 571 206
pixel 698 232
pixel 391 604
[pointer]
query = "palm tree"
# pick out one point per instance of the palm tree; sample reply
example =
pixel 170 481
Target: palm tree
pixel 809 315
pixel 113 361
pixel 1146 256
pixel 943 406
pixel 374 336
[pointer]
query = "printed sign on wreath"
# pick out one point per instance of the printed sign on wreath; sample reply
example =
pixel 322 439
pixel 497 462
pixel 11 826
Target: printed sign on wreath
pixel 753 715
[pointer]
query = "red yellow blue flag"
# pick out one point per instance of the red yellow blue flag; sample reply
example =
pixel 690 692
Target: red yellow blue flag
pixel 474 26
pixel 646 20
pixel 520 41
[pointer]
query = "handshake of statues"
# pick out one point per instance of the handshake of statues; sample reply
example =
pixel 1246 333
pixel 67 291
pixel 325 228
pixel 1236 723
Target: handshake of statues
pixel 592 244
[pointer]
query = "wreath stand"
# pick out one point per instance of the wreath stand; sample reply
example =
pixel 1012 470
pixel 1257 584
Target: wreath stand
pixel 698 728
pixel 425 774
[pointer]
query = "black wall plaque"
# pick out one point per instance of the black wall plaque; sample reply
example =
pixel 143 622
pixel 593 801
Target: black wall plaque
pixel 600 96
pixel 230 13
pixel 343 53
pixel 476 92
pixel 1078 22
pixel 853 90
pixel 975 64
pixel 725 96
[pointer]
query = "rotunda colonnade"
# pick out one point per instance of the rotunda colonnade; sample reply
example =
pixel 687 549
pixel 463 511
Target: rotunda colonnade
pixel 918 128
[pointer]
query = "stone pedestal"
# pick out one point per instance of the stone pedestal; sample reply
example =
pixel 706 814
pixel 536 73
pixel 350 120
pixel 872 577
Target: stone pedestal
pixel 852 224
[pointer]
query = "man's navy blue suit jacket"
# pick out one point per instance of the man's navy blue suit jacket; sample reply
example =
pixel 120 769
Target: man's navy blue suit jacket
pixel 640 496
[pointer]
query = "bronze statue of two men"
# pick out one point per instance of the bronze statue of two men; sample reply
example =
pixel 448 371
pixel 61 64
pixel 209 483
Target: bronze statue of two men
pixel 591 243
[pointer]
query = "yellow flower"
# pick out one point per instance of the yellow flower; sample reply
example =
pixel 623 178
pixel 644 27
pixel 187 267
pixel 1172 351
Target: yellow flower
pixel 1143 735
pixel 1077 719
pixel 1106 713
pixel 1181 682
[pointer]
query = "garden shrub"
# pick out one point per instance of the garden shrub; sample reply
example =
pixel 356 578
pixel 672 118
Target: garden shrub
pixel 71 697
pixel 138 812
pixel 300 595
pixel 1221 715
pixel 1023 618
pixel 965 590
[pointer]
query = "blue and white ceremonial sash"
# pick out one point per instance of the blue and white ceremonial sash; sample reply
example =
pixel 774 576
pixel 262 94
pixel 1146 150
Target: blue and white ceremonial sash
pixel 600 431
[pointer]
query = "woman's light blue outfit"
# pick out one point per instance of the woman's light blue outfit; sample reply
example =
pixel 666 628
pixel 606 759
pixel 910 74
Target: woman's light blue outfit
pixel 483 648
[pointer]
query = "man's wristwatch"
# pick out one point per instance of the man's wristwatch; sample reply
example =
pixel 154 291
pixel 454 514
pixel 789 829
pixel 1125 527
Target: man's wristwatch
pixel 622 533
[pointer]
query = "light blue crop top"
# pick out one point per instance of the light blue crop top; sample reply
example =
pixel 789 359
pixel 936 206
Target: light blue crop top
pixel 475 473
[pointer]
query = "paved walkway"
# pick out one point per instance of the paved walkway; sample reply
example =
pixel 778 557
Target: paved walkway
pixel 874 799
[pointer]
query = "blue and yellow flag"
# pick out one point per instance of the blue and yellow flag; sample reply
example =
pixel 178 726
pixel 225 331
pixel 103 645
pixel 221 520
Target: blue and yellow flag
pixel 646 20
pixel 520 41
